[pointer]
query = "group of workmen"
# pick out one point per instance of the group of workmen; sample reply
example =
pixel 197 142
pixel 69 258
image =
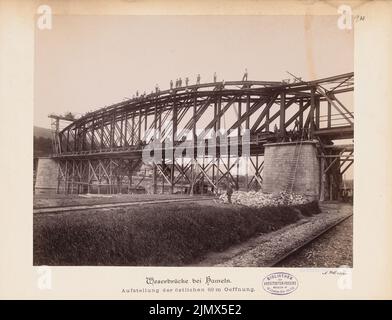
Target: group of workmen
pixel 178 83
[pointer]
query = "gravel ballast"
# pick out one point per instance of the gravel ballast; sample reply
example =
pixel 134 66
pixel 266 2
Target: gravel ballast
pixel 333 249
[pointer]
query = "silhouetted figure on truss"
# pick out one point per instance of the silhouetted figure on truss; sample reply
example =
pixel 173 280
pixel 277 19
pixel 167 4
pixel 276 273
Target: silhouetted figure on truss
pixel 198 79
pixel 245 76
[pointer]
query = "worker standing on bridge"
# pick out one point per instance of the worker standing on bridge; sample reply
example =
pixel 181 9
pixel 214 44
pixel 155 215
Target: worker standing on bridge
pixel 245 76
pixel 171 84
pixel 186 81
pixel 296 125
pixel 180 82
pixel 198 79
pixel 156 88
pixel 276 129
pixel 214 76
pixel 229 191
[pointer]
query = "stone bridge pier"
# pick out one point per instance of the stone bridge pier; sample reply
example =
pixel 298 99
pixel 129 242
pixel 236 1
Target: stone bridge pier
pixel 46 176
pixel 292 167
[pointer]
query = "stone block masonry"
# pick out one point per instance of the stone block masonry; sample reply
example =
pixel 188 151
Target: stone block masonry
pixel 46 176
pixel 281 168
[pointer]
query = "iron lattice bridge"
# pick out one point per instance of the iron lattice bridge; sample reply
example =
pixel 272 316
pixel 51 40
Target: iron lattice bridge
pixel 102 151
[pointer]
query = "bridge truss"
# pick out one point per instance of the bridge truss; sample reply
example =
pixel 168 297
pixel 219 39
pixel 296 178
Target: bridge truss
pixel 101 152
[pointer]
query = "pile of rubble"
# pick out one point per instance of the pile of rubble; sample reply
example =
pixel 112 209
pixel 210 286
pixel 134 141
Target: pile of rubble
pixel 260 199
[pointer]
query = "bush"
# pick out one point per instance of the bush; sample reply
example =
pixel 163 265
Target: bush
pixel 177 234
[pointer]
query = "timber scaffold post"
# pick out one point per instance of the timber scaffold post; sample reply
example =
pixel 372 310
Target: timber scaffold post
pixel 101 152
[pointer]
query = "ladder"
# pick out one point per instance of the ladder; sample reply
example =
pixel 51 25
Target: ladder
pixel 294 164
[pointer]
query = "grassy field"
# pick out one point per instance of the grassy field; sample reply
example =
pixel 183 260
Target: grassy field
pixel 152 235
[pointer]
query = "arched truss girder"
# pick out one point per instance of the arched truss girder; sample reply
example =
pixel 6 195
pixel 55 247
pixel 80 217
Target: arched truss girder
pixel 272 111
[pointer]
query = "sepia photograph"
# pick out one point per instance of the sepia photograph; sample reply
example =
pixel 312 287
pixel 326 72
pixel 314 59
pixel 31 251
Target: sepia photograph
pixel 193 141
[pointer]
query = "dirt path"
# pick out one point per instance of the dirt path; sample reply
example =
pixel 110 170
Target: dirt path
pixel 58 200
pixel 115 205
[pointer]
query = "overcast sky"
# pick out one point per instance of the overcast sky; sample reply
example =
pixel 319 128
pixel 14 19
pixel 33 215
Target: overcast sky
pixel 86 62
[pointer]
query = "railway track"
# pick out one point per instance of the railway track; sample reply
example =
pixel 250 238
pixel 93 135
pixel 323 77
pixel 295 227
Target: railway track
pixel 59 209
pixel 280 259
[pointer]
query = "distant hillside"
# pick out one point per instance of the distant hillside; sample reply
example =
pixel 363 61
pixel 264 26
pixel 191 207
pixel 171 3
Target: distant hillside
pixel 42 132
pixel 42 142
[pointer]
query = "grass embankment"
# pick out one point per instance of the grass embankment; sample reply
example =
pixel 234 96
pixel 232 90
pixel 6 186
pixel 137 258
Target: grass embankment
pixel 170 235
